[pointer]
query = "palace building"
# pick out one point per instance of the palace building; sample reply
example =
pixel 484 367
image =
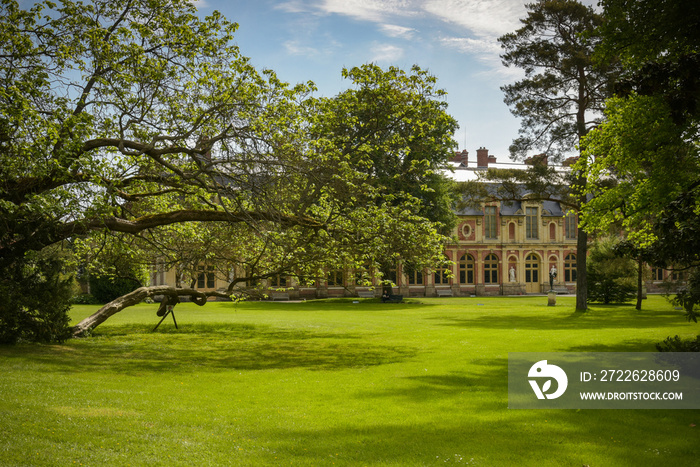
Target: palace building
pixel 497 249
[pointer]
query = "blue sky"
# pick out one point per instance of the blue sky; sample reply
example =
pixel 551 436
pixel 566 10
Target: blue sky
pixel 455 40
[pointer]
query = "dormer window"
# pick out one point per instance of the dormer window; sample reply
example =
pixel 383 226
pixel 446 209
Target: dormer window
pixel 571 225
pixel 531 224
pixel 490 222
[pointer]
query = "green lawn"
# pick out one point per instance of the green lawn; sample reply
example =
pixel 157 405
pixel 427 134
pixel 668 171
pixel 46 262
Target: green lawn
pixel 331 382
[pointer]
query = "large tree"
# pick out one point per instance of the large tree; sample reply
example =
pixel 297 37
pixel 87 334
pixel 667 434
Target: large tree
pixel 646 154
pixel 128 121
pixel 396 136
pixel 558 100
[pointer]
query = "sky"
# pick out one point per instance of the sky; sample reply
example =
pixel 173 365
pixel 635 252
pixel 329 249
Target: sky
pixel 455 40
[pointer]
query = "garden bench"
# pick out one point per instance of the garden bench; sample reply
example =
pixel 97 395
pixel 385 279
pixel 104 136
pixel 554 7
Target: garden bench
pixel 365 293
pixel 444 292
pixel 280 296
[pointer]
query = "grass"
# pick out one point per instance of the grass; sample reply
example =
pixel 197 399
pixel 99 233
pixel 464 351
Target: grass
pixel 330 382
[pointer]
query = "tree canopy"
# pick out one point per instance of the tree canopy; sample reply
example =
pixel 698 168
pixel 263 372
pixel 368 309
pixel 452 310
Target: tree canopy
pixel 136 128
pixel 561 95
pixel 558 101
pixel 646 153
pixel 645 160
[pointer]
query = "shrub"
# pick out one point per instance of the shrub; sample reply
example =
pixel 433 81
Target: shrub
pixel 688 296
pixel 676 344
pixel 35 299
pixel 611 277
pixel 106 289
pixel 84 299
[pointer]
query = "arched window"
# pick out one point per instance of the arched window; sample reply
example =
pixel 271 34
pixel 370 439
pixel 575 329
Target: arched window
pixel 532 268
pixel 491 269
pixel 336 278
pixel 466 269
pixel 570 268
pixel 441 275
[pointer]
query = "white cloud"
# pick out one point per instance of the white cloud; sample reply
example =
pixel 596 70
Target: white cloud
pixel 386 53
pixel 393 30
pixel 300 47
pixel 200 4
pixel 370 10
pixel 295 47
pixel 469 26
pixel 469 45
pixel 480 18
pixel 293 6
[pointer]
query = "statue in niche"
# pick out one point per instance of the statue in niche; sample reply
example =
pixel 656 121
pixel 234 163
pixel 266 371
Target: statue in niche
pixel 552 276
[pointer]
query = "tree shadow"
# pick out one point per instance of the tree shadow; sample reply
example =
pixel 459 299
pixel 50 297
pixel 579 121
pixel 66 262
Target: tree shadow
pixel 599 319
pixel 485 431
pixel 132 349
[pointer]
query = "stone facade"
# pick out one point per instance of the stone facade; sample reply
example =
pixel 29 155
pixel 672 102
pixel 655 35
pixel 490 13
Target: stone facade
pixel 497 249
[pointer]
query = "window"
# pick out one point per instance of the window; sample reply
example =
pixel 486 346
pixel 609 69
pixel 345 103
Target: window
pixel 570 268
pixel 441 276
pixel 205 278
pixel 466 269
pixel 532 268
pixel 491 269
pixel 490 221
pixel 414 277
pixel 278 281
pixel 531 224
pixel 657 274
pixel 466 231
pixel 336 278
pixel 571 225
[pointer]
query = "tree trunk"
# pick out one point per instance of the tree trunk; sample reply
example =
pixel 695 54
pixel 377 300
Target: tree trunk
pixel 581 276
pixel 640 271
pixel 84 327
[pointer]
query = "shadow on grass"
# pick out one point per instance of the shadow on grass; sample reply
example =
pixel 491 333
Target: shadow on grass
pixel 481 429
pixel 613 317
pixel 480 438
pixel 134 350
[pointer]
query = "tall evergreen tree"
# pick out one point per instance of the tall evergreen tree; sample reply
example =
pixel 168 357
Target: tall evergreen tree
pixel 561 96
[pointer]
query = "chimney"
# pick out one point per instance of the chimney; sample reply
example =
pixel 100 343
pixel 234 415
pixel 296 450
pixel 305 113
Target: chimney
pixel 205 142
pixel 482 158
pixel 492 159
pixel 539 159
pixel 461 157
pixel 570 161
